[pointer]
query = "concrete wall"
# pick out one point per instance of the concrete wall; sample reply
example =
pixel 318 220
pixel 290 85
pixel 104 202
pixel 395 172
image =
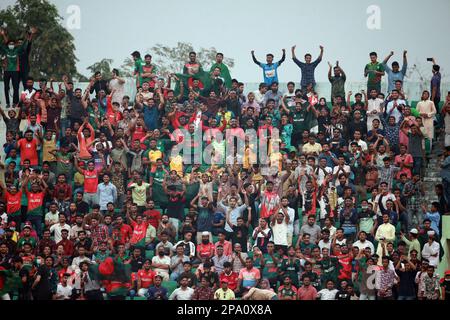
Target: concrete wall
pixel 445 241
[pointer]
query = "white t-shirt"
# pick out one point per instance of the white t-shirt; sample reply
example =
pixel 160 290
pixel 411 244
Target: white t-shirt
pixel 326 294
pixel 291 213
pixel 57 228
pixel 52 217
pixel 120 90
pixel 321 174
pixel 180 294
pixel 385 198
pixel 332 231
pixel 77 260
pixel 266 231
pixel 374 105
pixel 64 291
pixel 159 260
pixel 322 244
pixel 362 245
pixel 280 232
pixel 346 169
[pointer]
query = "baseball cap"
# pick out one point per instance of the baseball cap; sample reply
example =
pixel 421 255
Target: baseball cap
pixel 413 231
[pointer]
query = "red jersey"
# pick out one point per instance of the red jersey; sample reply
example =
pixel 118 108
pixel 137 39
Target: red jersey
pixel 232 279
pixel 206 250
pixel 346 271
pixel 125 232
pixel 90 181
pixel 139 231
pixel 153 217
pixel 28 150
pixel 13 205
pixel 146 277
pixel 35 203
pixel 113 116
pixel 138 134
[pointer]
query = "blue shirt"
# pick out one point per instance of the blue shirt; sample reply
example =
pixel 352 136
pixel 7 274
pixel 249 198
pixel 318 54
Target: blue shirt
pixel 155 293
pixel 434 217
pixel 151 117
pixel 307 71
pixel 270 73
pixel 394 76
pixel 436 82
pixel 106 193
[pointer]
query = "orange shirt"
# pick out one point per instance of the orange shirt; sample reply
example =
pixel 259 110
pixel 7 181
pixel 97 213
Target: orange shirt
pixel 90 181
pixel 146 277
pixel 28 150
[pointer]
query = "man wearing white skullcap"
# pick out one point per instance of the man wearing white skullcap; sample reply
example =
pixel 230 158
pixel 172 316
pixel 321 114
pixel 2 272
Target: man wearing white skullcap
pixel 430 250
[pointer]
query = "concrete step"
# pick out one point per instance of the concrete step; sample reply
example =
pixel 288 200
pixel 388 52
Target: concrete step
pixel 432 179
pixel 432 174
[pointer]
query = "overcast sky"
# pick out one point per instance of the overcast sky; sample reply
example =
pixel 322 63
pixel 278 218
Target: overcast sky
pixel 113 29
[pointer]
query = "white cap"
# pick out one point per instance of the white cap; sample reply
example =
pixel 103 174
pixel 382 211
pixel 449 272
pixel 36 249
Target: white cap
pixel 431 233
pixel 205 233
pixel 413 231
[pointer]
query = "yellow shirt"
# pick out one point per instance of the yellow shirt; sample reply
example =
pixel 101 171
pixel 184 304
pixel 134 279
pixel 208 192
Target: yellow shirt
pixel 224 295
pixel 176 163
pixel 312 148
pixel 154 155
pixel 47 146
pixel 78 179
pixel 249 158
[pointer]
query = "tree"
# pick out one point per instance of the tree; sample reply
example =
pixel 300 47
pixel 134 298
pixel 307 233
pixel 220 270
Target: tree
pixel 53 50
pixel 127 68
pixel 104 66
pixel 172 59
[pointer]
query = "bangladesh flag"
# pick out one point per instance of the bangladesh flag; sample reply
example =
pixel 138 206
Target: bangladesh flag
pixel 202 76
pixel 224 73
pixel 9 281
pixel 115 276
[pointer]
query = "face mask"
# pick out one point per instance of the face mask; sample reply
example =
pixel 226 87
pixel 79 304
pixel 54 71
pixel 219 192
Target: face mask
pixel 364 208
pixel 11 47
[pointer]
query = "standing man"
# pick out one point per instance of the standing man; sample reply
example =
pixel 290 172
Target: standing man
pixel 395 74
pixel 224 72
pixel 11 68
pixel 337 81
pixel 24 58
pixel 269 69
pixel 307 68
pixel 436 84
pixel 374 71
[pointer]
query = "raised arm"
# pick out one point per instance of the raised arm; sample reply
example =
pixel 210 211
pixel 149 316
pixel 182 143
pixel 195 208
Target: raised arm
pixel 405 62
pixel 329 70
pixel 321 54
pixel 283 57
pixel 254 58
pixel 388 57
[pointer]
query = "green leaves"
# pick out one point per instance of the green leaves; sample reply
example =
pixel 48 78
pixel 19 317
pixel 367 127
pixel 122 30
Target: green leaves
pixel 104 66
pixel 172 59
pixel 53 50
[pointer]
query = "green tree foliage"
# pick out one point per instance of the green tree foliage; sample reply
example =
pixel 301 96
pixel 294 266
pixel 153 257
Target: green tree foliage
pixel 104 66
pixel 127 68
pixel 172 59
pixel 53 49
